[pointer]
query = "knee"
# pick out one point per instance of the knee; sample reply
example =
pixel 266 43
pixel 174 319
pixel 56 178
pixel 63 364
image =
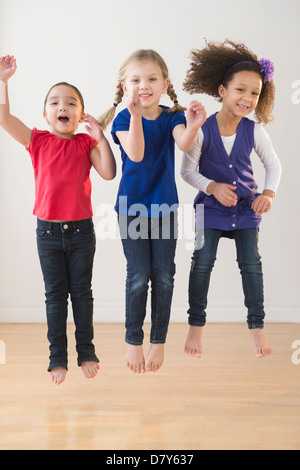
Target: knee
pixel 164 276
pixel 202 263
pixel 250 259
pixel 253 265
pixel 138 280
pixel 56 292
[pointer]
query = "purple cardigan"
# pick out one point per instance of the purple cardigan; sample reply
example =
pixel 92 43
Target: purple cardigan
pixel 235 169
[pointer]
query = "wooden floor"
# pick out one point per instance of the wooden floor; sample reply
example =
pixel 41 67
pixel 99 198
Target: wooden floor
pixel 228 400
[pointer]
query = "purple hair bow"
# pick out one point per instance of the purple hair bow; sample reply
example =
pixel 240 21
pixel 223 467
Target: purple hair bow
pixel 267 68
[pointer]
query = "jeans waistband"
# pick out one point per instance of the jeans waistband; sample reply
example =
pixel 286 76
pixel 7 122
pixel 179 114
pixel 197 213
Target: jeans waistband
pixel 67 226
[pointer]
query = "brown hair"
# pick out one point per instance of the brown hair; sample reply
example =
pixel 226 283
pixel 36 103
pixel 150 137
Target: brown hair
pixel 139 56
pixel 71 86
pixel 217 63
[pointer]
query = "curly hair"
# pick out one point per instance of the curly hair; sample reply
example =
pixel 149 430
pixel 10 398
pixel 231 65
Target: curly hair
pixel 139 56
pixel 216 65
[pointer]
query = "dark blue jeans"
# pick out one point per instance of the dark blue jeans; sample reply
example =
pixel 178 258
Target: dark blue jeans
pixel 150 251
pixel 250 265
pixel 66 252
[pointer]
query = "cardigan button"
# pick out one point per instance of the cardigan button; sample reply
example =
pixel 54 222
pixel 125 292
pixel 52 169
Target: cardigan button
pixel 234 183
pixel 230 166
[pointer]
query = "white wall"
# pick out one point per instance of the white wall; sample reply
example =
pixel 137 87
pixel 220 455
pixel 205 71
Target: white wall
pixel 84 43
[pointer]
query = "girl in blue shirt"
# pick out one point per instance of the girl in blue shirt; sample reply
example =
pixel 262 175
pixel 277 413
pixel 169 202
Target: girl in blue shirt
pixel 147 199
pixel 220 167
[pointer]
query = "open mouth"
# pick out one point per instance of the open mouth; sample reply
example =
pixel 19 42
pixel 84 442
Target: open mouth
pixel 63 119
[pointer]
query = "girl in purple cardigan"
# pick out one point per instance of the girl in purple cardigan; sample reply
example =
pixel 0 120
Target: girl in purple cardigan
pixel 219 166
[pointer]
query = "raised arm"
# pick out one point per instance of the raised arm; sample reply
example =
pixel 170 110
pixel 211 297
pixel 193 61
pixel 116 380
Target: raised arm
pixel 133 141
pixel 101 156
pixel 185 137
pixel 8 122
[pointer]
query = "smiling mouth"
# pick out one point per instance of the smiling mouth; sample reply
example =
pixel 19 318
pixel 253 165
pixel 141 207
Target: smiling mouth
pixel 243 107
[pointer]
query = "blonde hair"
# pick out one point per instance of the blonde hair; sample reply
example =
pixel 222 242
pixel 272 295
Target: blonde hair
pixel 139 56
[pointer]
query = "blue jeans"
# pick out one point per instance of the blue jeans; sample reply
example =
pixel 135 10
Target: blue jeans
pixel 150 257
pixel 66 251
pixel 250 265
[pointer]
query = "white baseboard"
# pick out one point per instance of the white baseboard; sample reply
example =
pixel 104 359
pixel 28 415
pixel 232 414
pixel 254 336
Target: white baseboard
pixel 114 312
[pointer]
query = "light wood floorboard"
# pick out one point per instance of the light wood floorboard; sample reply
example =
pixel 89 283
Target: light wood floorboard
pixel 226 400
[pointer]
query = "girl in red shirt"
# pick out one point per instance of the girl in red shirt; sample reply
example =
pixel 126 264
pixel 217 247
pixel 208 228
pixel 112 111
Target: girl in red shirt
pixel 62 161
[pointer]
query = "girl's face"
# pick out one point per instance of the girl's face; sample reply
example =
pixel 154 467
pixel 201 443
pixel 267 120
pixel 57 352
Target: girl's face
pixel 242 93
pixel 146 77
pixel 63 111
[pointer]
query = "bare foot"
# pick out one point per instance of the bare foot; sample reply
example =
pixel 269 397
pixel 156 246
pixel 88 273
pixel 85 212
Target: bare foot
pixel 90 369
pixel 261 345
pixel 58 375
pixel 135 359
pixel 155 357
pixel 193 345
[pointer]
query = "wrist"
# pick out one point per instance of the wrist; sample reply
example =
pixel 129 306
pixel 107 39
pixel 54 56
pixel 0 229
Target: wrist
pixel 269 193
pixel 211 188
pixel 101 139
pixel 136 118
pixel 192 128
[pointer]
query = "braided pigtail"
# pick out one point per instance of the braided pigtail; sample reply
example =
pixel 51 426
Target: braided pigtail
pixel 172 95
pixel 106 118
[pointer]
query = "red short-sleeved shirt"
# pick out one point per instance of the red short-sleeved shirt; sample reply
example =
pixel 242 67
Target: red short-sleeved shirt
pixel 62 176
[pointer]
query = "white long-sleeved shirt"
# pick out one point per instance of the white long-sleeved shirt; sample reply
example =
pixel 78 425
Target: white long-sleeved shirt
pixel 262 146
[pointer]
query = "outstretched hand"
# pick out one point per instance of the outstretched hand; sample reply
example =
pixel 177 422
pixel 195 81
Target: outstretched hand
pixel 93 127
pixel 134 104
pixel 8 66
pixel 196 115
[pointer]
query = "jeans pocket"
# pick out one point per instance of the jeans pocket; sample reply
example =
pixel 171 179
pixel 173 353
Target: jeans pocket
pixel 42 234
pixel 85 232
